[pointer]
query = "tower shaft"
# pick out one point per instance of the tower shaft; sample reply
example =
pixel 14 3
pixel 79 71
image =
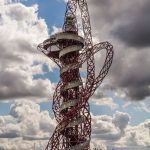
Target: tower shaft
pixel 70 101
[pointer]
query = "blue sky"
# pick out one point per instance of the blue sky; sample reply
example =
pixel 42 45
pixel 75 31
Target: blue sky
pixel 32 77
pixel 51 11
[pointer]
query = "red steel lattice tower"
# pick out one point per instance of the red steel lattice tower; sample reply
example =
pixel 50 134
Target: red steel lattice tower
pixel 70 101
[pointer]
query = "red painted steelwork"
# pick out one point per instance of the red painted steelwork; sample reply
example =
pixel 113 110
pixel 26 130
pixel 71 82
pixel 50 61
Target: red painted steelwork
pixel 70 101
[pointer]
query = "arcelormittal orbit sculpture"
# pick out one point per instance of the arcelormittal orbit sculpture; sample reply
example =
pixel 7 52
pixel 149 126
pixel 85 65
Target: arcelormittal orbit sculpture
pixel 70 101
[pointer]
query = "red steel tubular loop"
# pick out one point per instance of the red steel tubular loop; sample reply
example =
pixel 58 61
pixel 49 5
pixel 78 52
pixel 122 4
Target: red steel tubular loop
pixel 70 101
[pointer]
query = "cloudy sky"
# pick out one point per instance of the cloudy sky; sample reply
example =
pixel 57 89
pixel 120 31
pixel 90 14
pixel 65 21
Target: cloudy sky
pixel 120 108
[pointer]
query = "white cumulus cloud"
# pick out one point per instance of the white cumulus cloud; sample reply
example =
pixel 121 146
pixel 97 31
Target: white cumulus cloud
pixel 21 31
